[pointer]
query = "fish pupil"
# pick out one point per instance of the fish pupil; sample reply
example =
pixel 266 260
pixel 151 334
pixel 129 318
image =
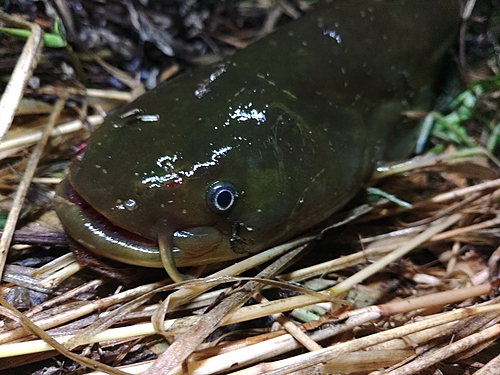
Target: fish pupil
pixel 224 199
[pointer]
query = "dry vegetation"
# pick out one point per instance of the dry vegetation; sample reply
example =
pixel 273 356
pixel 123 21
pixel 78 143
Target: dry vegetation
pixel 404 285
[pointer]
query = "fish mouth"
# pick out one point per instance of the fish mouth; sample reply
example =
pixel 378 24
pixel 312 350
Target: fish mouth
pixel 188 247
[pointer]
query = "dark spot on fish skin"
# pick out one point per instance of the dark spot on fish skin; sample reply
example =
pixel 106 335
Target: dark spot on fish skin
pixel 238 244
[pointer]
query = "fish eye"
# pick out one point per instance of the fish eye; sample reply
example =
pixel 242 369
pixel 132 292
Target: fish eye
pixel 221 196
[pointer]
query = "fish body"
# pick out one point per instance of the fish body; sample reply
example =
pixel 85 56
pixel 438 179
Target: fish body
pixel 231 158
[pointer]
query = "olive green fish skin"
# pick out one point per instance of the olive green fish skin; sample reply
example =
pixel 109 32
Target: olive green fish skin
pixel 296 122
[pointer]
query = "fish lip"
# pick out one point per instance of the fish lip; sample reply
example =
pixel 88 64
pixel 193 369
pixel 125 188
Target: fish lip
pixel 97 234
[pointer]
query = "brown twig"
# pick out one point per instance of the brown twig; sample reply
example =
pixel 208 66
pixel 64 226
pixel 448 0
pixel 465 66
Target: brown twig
pixel 22 72
pixel 22 189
